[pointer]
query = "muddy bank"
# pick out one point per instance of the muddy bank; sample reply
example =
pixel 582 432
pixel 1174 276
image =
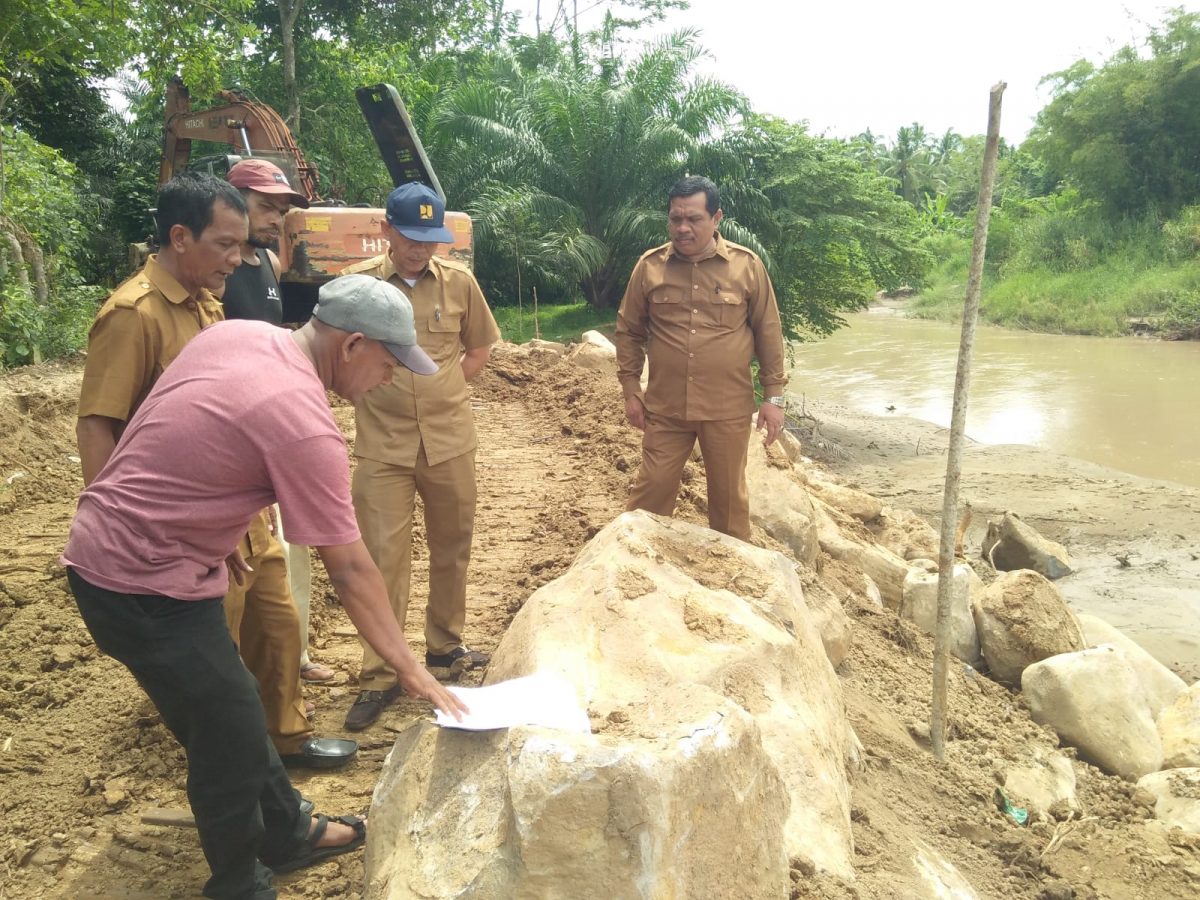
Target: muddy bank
pixel 83 755
pixel 1135 541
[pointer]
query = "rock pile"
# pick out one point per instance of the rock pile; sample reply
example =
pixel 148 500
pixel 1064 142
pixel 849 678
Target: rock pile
pixel 720 754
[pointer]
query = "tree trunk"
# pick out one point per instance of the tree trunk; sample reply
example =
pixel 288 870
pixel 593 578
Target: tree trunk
pixel 288 11
pixel 14 258
pixel 600 290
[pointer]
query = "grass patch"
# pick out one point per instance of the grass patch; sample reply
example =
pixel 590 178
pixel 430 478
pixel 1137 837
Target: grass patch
pixel 563 322
pixel 1100 300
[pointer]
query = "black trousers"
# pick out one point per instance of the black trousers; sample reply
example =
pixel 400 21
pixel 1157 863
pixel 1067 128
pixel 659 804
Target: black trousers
pixel 182 655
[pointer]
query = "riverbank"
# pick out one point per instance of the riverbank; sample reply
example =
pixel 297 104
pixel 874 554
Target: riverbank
pixel 1135 541
pixel 83 756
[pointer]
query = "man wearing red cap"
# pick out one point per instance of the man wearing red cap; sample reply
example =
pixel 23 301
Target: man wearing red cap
pixel 252 291
pixel 267 611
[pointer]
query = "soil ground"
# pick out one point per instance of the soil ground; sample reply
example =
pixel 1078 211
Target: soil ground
pixel 83 755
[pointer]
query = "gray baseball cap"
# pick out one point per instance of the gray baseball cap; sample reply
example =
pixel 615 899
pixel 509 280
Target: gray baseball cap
pixel 378 310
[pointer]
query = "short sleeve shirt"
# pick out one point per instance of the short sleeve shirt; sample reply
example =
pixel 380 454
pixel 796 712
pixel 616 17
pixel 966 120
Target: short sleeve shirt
pixel 137 333
pixel 395 420
pixel 700 323
pixel 239 421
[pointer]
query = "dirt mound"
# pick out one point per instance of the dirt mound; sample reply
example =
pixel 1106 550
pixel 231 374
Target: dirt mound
pixel 83 756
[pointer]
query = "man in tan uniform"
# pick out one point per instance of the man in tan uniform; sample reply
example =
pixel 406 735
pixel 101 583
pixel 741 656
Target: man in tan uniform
pixel 417 435
pixel 138 332
pixel 147 320
pixel 700 307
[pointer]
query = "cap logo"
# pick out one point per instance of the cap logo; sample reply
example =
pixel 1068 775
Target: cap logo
pixel 280 178
pixel 426 211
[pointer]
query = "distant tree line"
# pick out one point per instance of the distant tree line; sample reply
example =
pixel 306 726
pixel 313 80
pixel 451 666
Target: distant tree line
pixel 560 144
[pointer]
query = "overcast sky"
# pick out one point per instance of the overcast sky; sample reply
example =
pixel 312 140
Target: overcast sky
pixel 848 66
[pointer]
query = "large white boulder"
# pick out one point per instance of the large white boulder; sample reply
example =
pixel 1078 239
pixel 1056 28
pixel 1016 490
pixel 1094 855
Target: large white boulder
pixel 1161 684
pixel 594 351
pixel 1094 700
pixel 532 813
pixel 1045 780
pixel 853 502
pixel 1012 544
pixel 1179 728
pixel 779 504
pixel 882 566
pixel 919 606
pixel 831 621
pixel 1022 618
pixel 1176 797
pixel 906 534
pixel 719 750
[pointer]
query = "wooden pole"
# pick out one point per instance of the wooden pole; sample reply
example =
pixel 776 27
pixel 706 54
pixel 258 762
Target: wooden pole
pixel 958 420
pixel 537 329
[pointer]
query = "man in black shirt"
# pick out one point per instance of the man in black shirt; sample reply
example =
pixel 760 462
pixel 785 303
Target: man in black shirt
pixel 268 612
pixel 252 291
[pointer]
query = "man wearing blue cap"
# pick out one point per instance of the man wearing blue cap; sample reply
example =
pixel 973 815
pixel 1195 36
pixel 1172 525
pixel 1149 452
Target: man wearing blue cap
pixel 239 421
pixel 417 435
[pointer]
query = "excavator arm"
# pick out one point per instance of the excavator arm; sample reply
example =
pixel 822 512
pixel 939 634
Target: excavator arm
pixel 248 127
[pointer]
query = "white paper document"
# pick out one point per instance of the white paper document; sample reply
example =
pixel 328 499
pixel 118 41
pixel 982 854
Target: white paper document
pixel 538 699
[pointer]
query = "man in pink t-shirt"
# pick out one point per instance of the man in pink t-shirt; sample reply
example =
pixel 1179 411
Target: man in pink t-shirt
pixel 240 421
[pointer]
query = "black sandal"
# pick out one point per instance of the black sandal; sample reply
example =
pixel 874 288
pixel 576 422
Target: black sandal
pixel 309 854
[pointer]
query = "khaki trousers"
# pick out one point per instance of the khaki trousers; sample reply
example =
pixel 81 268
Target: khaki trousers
pixel 263 622
pixel 299 569
pixel 384 500
pixel 724 443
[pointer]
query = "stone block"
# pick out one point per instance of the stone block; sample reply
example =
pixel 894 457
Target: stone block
pixel 1045 780
pixel 919 606
pixel 1011 544
pixel 1161 684
pixel 1021 619
pixel 1179 728
pixel 1095 702
pixel 1176 795
pixel 719 747
pixel 779 503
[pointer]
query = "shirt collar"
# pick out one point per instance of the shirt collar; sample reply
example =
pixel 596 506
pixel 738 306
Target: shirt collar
pixel 719 248
pixel 166 284
pixel 389 272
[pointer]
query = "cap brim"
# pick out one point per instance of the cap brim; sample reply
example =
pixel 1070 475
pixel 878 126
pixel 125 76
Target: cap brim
pixel 413 358
pixel 280 190
pixel 431 235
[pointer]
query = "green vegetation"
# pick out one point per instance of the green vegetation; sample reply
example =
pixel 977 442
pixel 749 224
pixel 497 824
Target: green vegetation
pixel 562 147
pixel 562 322
pixel 1096 228
pixel 1064 268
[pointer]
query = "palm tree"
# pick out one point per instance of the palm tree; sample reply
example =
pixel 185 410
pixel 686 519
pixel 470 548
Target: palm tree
pixel 593 144
pixel 908 161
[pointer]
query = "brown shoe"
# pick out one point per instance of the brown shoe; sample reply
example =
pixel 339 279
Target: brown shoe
pixel 369 706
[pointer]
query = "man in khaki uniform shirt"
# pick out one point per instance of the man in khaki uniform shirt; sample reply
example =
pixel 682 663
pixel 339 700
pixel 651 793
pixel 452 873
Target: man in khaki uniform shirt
pixel 147 320
pixel 417 435
pixel 700 307
pixel 137 333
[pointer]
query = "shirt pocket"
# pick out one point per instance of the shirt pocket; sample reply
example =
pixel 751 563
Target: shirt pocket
pixel 729 307
pixel 444 338
pixel 665 294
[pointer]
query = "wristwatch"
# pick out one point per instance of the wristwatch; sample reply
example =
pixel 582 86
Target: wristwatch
pixel 777 401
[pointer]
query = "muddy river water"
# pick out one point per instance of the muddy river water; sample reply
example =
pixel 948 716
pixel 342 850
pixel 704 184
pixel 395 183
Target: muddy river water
pixel 1127 404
